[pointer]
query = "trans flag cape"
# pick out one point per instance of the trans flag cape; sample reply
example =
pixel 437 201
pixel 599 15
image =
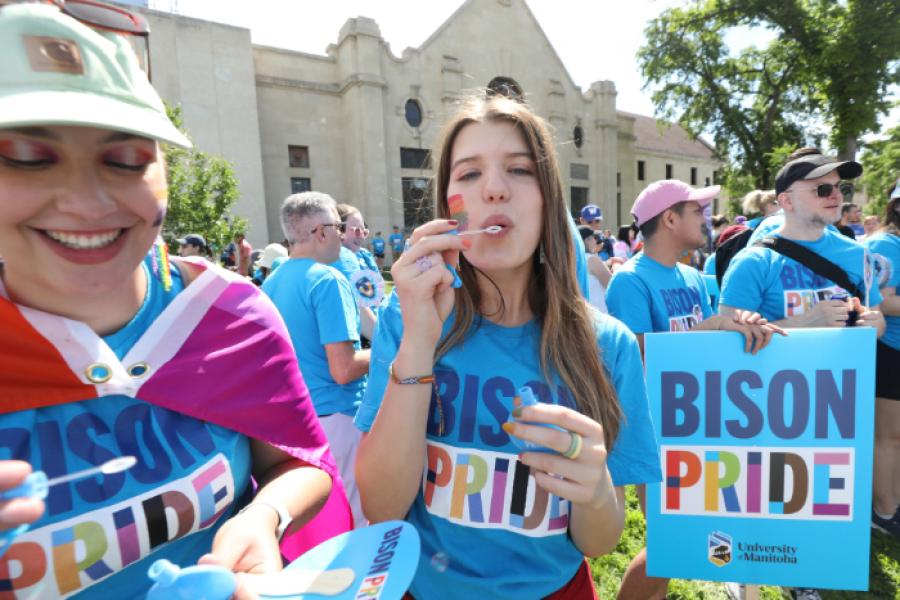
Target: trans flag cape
pixel 219 353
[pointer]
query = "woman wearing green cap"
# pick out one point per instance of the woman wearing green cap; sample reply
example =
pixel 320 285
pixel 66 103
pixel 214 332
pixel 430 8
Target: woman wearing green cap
pixel 109 350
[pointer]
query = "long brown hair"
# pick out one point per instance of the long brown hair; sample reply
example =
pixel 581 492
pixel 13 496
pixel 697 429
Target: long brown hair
pixel 568 338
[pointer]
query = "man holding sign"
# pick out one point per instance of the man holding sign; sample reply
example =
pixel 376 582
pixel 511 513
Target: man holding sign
pixel 806 274
pixel 801 274
pixel 653 292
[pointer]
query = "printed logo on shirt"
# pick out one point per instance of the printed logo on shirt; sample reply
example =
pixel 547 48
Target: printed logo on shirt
pixel 490 490
pixel 683 307
pixel 803 288
pixel 797 302
pixel 882 269
pixel 67 557
pixel 686 322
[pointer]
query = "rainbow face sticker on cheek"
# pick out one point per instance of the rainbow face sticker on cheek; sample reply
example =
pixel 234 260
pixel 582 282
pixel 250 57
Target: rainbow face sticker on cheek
pixel 456 206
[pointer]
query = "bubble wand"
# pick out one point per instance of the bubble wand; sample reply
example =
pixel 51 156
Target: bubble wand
pixel 37 485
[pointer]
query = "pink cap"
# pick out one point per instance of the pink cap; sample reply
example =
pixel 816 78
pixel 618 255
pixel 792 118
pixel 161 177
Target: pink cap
pixel 660 195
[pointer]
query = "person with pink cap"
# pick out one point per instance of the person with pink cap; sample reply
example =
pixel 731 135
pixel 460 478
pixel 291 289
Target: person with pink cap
pixel 654 292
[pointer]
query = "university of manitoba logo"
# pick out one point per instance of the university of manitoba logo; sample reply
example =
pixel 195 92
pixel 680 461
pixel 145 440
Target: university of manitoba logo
pixel 719 548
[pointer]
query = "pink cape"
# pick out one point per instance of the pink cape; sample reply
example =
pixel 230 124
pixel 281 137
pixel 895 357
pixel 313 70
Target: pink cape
pixel 219 353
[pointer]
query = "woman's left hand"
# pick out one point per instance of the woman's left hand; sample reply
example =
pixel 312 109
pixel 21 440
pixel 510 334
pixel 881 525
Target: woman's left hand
pixel 582 479
pixel 246 543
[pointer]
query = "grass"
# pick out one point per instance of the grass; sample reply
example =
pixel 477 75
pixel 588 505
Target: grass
pixel 884 568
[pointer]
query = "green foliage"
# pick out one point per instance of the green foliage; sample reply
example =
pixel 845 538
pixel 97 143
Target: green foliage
pixel 738 184
pixel 850 50
pixel 881 164
pixel 884 574
pixel 830 62
pixel 752 102
pixel 202 191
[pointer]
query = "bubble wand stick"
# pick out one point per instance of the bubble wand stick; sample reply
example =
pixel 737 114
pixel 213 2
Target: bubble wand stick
pixel 37 485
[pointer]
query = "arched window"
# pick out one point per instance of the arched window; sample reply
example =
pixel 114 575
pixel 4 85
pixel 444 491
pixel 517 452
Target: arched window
pixel 506 86
pixel 578 136
pixel 413 111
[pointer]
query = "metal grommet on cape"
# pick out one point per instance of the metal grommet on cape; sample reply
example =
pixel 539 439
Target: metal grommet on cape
pixel 138 370
pixel 98 373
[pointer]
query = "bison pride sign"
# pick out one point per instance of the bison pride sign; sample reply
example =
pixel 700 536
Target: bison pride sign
pixel 767 459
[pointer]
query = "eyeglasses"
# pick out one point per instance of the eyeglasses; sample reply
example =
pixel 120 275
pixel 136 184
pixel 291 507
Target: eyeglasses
pixel 360 231
pixel 824 190
pixel 339 227
pixel 105 17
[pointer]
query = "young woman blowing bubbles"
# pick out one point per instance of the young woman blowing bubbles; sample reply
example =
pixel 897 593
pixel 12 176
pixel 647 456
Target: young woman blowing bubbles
pixel 494 522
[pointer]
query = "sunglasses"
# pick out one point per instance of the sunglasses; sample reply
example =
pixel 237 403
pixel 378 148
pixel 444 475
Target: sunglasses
pixel 339 227
pixel 360 231
pixel 105 17
pixel 824 190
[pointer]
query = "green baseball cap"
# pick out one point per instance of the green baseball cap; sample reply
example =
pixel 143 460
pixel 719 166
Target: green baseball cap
pixel 57 71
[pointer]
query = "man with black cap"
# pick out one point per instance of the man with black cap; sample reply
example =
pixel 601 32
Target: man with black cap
pixel 788 292
pixel 801 290
pixel 192 244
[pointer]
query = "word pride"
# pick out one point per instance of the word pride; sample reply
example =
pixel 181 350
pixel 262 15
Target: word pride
pixel 490 490
pixel 374 581
pixel 765 477
pixel 794 483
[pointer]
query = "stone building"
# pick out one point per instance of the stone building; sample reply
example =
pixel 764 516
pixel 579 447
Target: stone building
pixel 358 122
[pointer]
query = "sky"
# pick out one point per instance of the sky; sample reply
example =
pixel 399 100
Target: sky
pixel 596 39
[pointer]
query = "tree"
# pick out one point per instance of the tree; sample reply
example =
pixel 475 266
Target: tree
pixel 202 190
pixel 881 170
pixel 752 103
pixel 850 49
pixel 830 63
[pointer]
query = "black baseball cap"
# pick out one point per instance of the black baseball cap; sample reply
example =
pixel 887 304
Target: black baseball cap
pixel 812 167
pixel 192 239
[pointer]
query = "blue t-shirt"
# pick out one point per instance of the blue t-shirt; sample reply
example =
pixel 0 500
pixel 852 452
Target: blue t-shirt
pixel 366 260
pixel 378 245
pixel 99 536
pixel 581 268
pixel 277 263
pixel 347 263
pixel 650 297
pixel 397 242
pixel 777 287
pixel 709 267
pixel 764 226
pixel 318 308
pixel 478 506
pixel 885 252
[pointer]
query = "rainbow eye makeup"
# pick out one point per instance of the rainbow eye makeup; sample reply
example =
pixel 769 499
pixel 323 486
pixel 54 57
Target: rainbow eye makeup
pixel 26 153
pixel 130 158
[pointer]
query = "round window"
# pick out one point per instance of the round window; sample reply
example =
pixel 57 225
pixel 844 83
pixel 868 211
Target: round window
pixel 413 113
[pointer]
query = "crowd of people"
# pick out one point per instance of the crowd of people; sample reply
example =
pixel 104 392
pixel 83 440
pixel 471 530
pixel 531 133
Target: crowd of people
pixel 284 397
